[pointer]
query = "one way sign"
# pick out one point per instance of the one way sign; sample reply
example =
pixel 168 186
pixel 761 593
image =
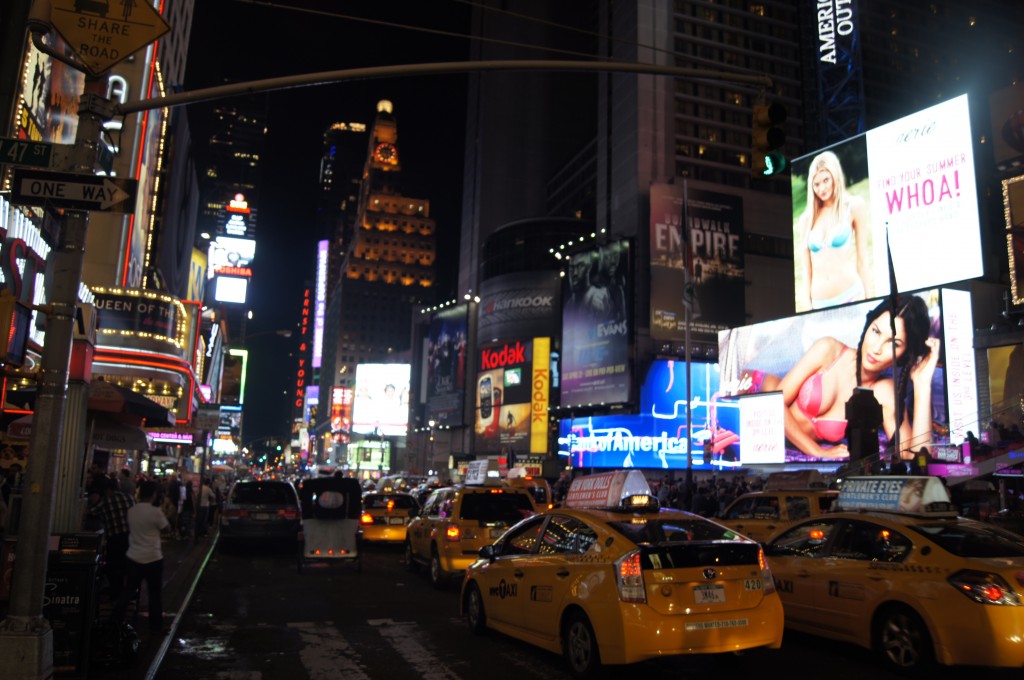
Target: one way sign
pixel 75 192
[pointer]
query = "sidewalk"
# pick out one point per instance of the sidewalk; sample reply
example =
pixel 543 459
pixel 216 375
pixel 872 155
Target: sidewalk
pixel 184 560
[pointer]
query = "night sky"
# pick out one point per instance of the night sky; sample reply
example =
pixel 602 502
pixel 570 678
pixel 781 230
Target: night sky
pixel 235 41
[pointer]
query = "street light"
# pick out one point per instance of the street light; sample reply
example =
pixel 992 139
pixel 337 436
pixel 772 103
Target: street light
pixel 430 460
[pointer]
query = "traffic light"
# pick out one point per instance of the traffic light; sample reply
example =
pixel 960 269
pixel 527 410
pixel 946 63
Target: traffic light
pixel 15 319
pixel 767 138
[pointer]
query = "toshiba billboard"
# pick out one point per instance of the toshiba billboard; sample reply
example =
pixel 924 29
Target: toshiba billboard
pixel 513 388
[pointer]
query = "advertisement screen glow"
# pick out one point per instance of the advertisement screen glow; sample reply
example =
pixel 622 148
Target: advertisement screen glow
pixel 381 399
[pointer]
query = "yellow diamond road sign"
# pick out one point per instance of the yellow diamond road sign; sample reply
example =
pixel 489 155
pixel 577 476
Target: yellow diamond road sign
pixel 105 32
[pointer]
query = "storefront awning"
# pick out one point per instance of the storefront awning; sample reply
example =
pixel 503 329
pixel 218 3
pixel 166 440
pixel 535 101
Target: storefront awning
pixel 106 433
pixel 108 398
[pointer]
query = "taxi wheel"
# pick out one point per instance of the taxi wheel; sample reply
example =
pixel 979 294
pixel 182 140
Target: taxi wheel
pixel 903 641
pixel 579 645
pixel 475 615
pixel 436 573
pixel 410 561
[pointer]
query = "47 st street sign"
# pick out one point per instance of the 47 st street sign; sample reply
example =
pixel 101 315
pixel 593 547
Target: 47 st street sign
pixel 73 191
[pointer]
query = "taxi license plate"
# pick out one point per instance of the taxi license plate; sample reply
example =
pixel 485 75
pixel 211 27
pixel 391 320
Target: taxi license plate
pixel 261 515
pixel 395 520
pixel 713 593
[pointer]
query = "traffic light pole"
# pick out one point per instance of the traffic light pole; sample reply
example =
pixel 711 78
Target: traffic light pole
pixel 26 638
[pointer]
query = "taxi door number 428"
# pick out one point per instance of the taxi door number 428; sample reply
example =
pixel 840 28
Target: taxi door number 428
pixel 709 594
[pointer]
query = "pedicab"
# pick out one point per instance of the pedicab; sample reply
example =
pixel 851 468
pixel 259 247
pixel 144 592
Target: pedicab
pixel 330 521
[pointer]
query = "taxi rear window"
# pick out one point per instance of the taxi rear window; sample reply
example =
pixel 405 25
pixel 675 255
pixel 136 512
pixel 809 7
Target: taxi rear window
pixel 973 540
pixel 496 507
pixel 402 502
pixel 654 530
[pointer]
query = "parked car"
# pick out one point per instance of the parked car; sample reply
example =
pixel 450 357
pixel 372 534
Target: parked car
pixel 261 511
pixel 609 578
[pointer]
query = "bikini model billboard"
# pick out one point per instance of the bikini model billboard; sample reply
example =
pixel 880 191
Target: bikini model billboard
pixel 817 360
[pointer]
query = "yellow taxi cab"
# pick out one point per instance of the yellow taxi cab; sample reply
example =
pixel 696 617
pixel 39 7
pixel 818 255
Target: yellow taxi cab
pixel 787 497
pixel 385 516
pixel 896 571
pixel 538 487
pixel 456 522
pixel 610 578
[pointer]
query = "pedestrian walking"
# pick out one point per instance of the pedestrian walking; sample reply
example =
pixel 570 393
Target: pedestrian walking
pixel 112 510
pixel 145 557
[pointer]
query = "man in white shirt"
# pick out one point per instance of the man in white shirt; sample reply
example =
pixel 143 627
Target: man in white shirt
pixel 145 557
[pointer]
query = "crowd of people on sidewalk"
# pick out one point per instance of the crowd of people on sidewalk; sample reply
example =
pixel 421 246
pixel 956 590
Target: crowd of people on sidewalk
pixel 137 515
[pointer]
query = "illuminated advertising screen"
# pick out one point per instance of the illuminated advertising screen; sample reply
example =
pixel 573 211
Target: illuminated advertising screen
pixel 912 181
pixel 381 405
pixel 596 326
pixel 341 414
pixel 230 253
pixel 445 360
pixel 512 391
pixel 812 359
pixel 715 237
pixel 726 432
pixel 961 374
pixel 230 289
pixel 320 303
pixel 232 381
pixel 1013 208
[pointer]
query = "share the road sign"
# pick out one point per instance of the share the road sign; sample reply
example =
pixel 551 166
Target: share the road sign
pixel 72 191
pixel 104 33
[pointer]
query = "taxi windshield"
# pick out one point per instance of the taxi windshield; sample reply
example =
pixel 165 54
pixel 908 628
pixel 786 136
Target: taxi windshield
pixel 653 530
pixel 973 540
pixel 379 501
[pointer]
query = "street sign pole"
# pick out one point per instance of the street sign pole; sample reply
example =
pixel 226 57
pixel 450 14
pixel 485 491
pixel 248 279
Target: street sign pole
pixel 26 638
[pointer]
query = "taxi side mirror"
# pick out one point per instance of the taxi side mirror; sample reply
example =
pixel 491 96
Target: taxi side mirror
pixel 487 553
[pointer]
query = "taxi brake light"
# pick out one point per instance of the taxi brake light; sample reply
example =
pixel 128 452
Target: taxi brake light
pixel 629 577
pixel 452 533
pixel 767 581
pixel 391 504
pixel 366 518
pixel 985 588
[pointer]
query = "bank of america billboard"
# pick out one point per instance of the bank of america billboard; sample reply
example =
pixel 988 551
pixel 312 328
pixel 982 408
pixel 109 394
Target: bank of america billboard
pixel 911 182
pixel 597 326
pixel 664 430
pixel 714 232
pixel 445 361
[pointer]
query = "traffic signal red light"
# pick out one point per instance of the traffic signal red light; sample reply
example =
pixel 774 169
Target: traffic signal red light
pixel 15 318
pixel 767 138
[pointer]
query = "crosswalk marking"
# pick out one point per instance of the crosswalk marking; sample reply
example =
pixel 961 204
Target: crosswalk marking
pixel 326 654
pixel 402 637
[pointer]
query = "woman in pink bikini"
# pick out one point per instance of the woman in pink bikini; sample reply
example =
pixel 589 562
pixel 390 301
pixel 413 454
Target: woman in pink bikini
pixel 833 230
pixel 818 386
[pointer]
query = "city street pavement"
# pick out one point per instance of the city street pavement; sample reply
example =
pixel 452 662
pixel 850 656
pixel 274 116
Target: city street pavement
pixel 184 560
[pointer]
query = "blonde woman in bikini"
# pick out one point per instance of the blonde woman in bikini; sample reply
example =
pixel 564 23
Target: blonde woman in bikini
pixel 818 386
pixel 834 232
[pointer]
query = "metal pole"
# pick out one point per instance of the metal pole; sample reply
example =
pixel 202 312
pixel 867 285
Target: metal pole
pixel 684 243
pixel 26 639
